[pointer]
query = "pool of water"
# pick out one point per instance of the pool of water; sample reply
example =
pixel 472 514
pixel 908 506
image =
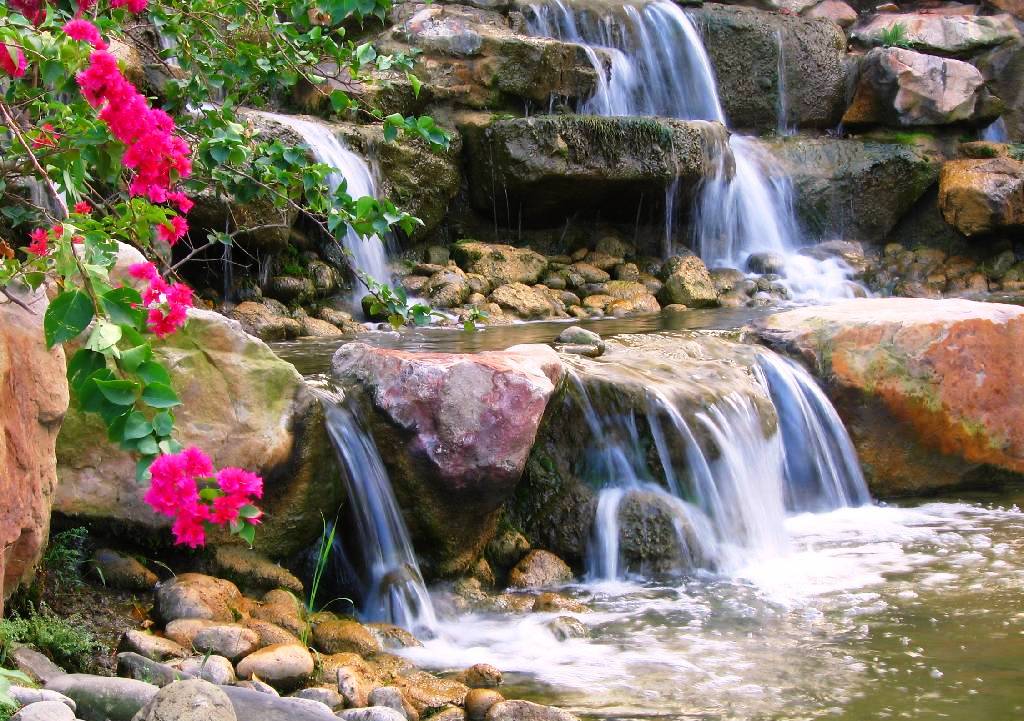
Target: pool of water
pixel 313 355
pixel 878 612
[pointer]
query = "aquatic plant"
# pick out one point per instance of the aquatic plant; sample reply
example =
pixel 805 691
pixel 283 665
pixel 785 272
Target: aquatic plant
pixel 894 36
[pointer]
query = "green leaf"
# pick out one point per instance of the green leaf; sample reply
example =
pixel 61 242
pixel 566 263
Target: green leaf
pixel 132 358
pixel 142 468
pixel 160 395
pixel 123 305
pixel 153 372
pixel 169 446
pixel 82 365
pixel 119 392
pixel 136 426
pixel 105 335
pixel 163 423
pixel 247 533
pixel 249 511
pixel 339 100
pixel 416 84
pixel 67 316
pixel 148 446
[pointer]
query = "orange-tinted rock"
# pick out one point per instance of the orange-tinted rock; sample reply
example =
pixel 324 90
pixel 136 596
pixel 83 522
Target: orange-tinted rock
pixel 931 390
pixel 979 196
pixel 33 400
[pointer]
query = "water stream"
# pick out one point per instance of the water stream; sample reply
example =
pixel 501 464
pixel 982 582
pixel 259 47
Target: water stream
pixel 650 60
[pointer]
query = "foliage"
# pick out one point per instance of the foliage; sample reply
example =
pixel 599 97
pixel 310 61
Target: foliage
pixel 64 640
pixel 474 316
pixel 7 704
pixel 894 36
pixel 65 555
pixel 394 304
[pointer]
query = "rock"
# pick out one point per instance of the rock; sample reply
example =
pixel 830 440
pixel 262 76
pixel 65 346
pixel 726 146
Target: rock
pixel 589 273
pixel 44 711
pixel 289 289
pixel 725 279
pixel 902 87
pixel 232 641
pixel 119 570
pixel 270 633
pixel 316 328
pixel 448 288
pixel 322 694
pixel 499 264
pixel 687 282
pixel 340 319
pixel 23 696
pixel 34 664
pixel 941 34
pixel 566 627
pixel 1002 67
pixel 393 637
pixel 526 711
pixel 656 538
pixel 241 404
pixel 523 301
pixel 258 320
pixel 743 45
pixel 765 263
pixel 855 188
pixel 256 685
pixel 140 668
pixel 449 713
pixel 282 609
pixel 150 646
pixel 183 630
pixel 579 336
pixel 551 602
pixel 454 431
pixel 342 634
pixel 212 668
pixel 193 700
pixel 283 666
pixel 352 686
pixel 100 698
pixel 252 705
pixel 604 163
pixel 925 387
pixel 389 697
pixel 197 596
pixel 425 691
pixel 34 396
pixel 483 675
pixel 834 10
pixel 371 713
pixel 251 570
pixel 982 196
pixel 507 547
pixel 539 568
pixel 479 702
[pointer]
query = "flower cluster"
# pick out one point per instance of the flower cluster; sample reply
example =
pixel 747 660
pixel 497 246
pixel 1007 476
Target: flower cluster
pixel 40 239
pixel 166 303
pixel 185 487
pixel 12 60
pixel 34 10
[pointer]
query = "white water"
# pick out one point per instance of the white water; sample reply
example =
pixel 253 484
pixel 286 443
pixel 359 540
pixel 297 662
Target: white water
pixel 995 132
pixel 367 255
pixel 650 60
pixel 394 588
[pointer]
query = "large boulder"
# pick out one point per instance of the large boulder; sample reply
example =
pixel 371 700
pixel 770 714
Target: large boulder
pixel 929 389
pixel 33 399
pixel 687 282
pixel 757 55
pixel 982 196
pixel 498 263
pixel 1003 67
pixel 943 34
pixel 900 87
pixel 534 169
pixel 241 404
pixel 555 504
pixel 454 431
pixel 192 700
pixel 855 188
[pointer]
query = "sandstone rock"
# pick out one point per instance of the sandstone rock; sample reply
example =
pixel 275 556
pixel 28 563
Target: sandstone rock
pixel 23 696
pixel 251 569
pixel 539 568
pixel 140 668
pixel 479 702
pixel 449 713
pixel 744 43
pixel 340 635
pixel 1002 67
pixel 687 282
pixel 371 713
pixel 942 34
pixel 259 320
pixel 425 691
pixel 197 596
pixel 523 301
pixel 835 10
pixel 215 669
pixel 329 697
pixel 483 675
pixel 270 634
pixel 526 711
pixel 183 630
pixel 283 666
pixel 352 685
pixel 507 547
pixel 232 641
pixel 566 627
pixel 100 698
pixel 499 264
pixel 448 288
pixel 34 664
pixel 982 196
pixel 194 700
pixel 656 538
pixel 765 263
pixel 393 637
pixel 44 711
pixel 289 289
pixel 317 328
pixel 550 602
pixel 925 387
pixel 389 697
pixel 252 705
pixel 34 398
pixel 906 88
pixel 150 646
pixel 855 188
pixel 119 570
pixel 454 431
pixel 283 609
pixel 598 162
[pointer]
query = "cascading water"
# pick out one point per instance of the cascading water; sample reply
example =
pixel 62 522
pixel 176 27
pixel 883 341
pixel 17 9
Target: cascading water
pixel 650 60
pixel 394 588
pixel 367 255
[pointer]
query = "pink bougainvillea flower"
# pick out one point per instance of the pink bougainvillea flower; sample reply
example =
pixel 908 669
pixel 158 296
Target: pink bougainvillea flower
pixel 85 6
pixel 47 138
pixel 40 242
pixel 237 481
pixel 189 529
pixel 82 208
pixel 173 232
pixel 85 31
pixel 144 271
pixel 181 200
pixel 134 6
pixel 12 60
pixel 34 10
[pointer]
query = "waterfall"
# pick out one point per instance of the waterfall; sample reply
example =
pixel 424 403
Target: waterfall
pixel 394 587
pixel 995 132
pixel 650 60
pixel 367 255
pixel 729 493
pixel 782 126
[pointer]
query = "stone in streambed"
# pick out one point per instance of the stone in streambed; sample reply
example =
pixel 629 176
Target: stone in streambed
pixel 44 711
pixel 526 711
pixel 329 697
pixel 100 698
pixel 982 196
pixel 24 696
pixel 252 705
pixel 197 596
pixel 686 281
pixel 507 547
pixel 479 701
pixel 232 641
pixel 284 666
pixel 192 700
pixel 270 634
pixel 390 697
pixel 566 627
pixel 283 609
pixel 539 568
pixel 145 644
pixel 119 570
pixel 371 713
pixel 251 570
pixel 140 668
pixel 342 634
pixel 499 264
pixel 212 668
pixel 483 675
